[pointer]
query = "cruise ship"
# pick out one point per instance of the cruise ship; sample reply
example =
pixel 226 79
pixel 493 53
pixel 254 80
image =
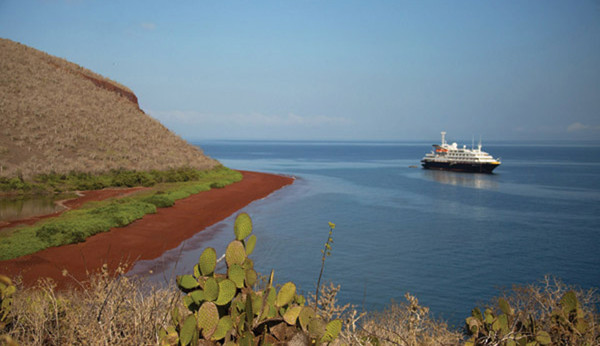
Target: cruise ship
pixel 450 157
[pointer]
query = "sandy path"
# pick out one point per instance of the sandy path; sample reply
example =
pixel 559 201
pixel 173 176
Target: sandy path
pixel 147 238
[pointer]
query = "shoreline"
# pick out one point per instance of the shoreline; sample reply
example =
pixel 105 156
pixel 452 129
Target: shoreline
pixel 144 239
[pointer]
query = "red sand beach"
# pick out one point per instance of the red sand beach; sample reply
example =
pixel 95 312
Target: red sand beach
pixel 144 239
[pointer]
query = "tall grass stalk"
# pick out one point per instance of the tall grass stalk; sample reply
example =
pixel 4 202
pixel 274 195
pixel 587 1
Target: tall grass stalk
pixel 325 252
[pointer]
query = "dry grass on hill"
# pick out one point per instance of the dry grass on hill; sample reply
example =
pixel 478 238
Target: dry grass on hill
pixel 56 116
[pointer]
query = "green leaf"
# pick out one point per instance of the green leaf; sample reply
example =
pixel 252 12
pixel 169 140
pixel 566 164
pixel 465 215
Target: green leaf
pixel 477 314
pixel 208 261
pixel 543 338
pixel 489 316
pixel 225 324
pixel 250 244
pixel 208 319
pixel 188 329
pixel 186 282
pixel 306 314
pixel 505 307
pixel 197 296
pixel 211 289
pixel 236 274
pixel 332 330
pixel 291 315
pixel 286 294
pixel 251 277
pixel 242 226
pixel 569 302
pixel 227 290
pixel 503 319
pixel 235 253
pixel 316 328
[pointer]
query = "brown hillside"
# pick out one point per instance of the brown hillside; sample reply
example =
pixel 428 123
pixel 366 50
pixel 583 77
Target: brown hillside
pixel 56 116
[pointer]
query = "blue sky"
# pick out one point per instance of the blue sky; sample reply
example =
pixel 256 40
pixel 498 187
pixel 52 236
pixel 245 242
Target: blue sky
pixel 338 70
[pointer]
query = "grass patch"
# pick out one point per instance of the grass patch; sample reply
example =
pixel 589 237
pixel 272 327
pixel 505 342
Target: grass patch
pixel 56 183
pixel 76 225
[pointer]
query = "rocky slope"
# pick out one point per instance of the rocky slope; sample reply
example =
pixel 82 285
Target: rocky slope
pixel 56 116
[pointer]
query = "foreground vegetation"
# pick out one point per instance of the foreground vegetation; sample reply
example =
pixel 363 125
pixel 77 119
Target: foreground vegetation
pixel 76 225
pixel 243 308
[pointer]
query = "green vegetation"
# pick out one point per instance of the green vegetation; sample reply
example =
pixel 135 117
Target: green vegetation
pixel 76 225
pixel 537 317
pixel 230 309
pixel 56 183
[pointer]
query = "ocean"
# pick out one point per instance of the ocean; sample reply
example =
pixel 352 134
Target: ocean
pixel 453 240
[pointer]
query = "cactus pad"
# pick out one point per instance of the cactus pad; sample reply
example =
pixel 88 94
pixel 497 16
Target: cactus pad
pixel 251 277
pixel 291 315
pixel 250 244
pixel 505 307
pixel 225 324
pixel 211 289
pixel 197 296
pixel 543 338
pixel 188 330
pixel 235 253
pixel 569 302
pixel 306 314
pixel 186 282
pixel 332 330
pixel 316 328
pixel 208 261
pixel 237 275
pixel 248 263
pixel 242 226
pixel 208 319
pixel 286 294
pixel 227 291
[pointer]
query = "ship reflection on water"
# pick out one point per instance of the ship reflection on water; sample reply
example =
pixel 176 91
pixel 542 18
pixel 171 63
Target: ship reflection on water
pixel 472 180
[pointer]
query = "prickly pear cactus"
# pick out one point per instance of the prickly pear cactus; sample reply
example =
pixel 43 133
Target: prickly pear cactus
pixel 228 308
pixel 7 289
pixel 507 327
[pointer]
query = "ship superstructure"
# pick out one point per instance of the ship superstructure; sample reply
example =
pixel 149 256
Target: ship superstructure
pixel 452 158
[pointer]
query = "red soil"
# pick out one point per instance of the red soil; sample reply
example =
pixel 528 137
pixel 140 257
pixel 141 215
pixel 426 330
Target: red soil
pixel 144 239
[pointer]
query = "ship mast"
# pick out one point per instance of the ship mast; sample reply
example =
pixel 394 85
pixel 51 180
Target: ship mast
pixel 443 138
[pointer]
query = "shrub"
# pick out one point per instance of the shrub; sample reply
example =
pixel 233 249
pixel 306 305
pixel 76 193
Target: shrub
pixel 550 313
pixel 108 309
pixel 160 200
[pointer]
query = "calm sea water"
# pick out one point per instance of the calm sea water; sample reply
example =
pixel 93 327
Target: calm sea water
pixel 451 239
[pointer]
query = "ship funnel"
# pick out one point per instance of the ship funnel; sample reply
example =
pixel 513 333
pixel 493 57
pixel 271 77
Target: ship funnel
pixel 443 137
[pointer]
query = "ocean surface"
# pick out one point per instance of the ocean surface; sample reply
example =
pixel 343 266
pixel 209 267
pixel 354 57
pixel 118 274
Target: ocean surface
pixel 453 240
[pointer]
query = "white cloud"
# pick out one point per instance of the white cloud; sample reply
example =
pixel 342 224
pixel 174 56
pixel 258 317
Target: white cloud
pixel 577 126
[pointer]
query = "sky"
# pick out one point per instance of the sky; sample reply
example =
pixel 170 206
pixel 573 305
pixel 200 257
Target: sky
pixel 338 69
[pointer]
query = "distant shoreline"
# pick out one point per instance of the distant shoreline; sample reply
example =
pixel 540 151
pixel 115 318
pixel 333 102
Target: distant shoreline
pixel 144 239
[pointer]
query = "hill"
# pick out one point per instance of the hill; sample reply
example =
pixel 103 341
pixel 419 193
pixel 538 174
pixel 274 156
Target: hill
pixel 56 116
